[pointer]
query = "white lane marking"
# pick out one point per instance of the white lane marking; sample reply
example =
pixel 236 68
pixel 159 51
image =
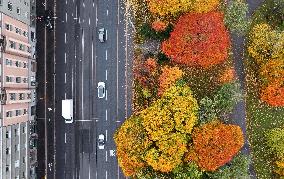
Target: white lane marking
pixel 65 37
pixel 107 12
pixel 66 1
pixel 106 114
pixel 84 4
pixel 106 75
pixel 106 34
pixel 82 83
pixel 64 95
pixel 93 4
pixel 106 135
pixel 106 95
pixel 65 57
pixel 64 77
pixel 66 16
pixel 106 54
pixel 106 156
pixel 89 21
pixel 106 174
pixel 65 137
pixel 96 175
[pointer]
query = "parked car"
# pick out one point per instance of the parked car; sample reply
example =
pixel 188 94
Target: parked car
pixel 102 35
pixel 101 90
pixel 101 141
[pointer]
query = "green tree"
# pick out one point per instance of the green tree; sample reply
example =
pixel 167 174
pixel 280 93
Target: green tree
pixel 275 140
pixel 188 171
pixel 235 17
pixel 236 168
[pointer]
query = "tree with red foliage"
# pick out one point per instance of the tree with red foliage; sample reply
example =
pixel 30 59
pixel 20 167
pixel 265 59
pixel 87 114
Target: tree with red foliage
pixel 198 40
pixel 215 144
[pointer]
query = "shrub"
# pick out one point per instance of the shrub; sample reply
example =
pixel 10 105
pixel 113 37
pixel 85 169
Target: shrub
pixel 198 40
pixel 187 171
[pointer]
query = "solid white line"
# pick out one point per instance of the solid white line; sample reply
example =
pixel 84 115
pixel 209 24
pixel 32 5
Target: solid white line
pixel 106 135
pixel 89 21
pixel 106 95
pixel 106 75
pixel 106 54
pixel 66 16
pixel 106 34
pixel 106 155
pixel 96 15
pixel 106 174
pixel 65 137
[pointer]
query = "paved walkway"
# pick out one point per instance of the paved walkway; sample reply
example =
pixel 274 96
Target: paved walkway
pixel 239 114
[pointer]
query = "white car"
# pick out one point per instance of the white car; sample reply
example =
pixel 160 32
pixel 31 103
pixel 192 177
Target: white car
pixel 102 35
pixel 101 141
pixel 101 89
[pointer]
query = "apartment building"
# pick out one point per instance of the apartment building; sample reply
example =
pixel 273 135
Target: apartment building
pixel 17 89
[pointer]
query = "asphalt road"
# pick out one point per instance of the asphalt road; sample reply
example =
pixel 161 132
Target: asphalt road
pixel 76 61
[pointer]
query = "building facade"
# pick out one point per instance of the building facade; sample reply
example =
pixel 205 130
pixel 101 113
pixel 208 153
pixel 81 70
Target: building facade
pixel 17 89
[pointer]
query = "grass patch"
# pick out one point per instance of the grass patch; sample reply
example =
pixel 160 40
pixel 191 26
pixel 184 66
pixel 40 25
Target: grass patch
pixel 260 116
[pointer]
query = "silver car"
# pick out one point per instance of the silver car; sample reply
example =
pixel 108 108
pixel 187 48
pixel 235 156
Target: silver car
pixel 101 89
pixel 101 141
pixel 102 35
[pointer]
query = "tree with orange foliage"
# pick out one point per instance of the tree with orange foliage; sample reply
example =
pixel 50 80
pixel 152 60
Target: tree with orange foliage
pixel 168 77
pixel 273 94
pixel 272 71
pixel 227 75
pixel 198 40
pixel 215 144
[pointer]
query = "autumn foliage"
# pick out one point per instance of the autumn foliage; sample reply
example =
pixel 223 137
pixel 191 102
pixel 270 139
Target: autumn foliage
pixel 215 144
pixel 168 78
pixel 159 25
pixel 131 142
pixel 227 75
pixel 198 40
pixel 175 7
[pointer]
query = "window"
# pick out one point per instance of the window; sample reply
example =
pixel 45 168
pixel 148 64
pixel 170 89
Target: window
pixel 17 163
pixel 16 132
pixel 12 96
pixel 11 27
pixel 21 96
pixel 25 111
pixel 1 2
pixel 18 10
pixel 7 151
pixel 9 79
pixel 18 79
pixel 9 62
pixel 22 47
pixel 7 26
pixel 18 112
pixel 8 135
pixel 24 159
pixel 7 168
pixel 10 6
pixel 12 44
pixel 24 129
pixel 17 147
pixel 25 33
pixel 18 31
pixel 27 14
pixel 18 64
pixel 9 114
pixel 25 65
pixel 25 80
pixel 29 95
pixel 29 49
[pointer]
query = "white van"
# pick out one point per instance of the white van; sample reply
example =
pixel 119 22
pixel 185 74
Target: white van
pixel 67 110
